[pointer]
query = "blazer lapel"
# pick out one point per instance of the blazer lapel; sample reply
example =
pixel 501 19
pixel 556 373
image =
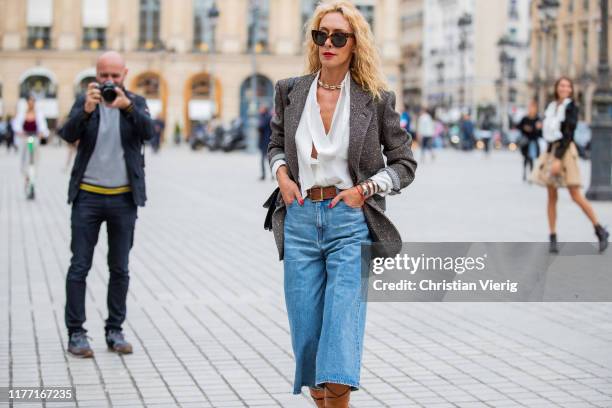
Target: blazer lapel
pixel 293 112
pixel 359 122
pixel 124 125
pixel 94 124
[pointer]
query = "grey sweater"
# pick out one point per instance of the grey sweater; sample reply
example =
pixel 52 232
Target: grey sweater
pixel 106 167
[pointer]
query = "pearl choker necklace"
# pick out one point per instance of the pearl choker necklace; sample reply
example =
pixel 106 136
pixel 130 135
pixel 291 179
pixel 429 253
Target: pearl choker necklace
pixel 330 87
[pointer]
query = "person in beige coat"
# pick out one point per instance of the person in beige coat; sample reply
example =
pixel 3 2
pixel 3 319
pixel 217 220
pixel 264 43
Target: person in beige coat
pixel 559 125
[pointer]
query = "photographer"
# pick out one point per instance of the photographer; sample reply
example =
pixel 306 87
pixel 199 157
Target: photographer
pixel 107 184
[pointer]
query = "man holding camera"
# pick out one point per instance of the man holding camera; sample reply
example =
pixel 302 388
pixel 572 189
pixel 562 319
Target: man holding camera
pixel 106 185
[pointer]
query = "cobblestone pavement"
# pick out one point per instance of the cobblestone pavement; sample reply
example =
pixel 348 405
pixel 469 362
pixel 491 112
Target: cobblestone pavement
pixel 206 312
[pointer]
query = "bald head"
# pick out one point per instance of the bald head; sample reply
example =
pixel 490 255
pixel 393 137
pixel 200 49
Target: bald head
pixel 111 58
pixel 110 66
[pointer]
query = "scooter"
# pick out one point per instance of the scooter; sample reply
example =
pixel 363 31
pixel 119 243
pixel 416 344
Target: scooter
pixel 234 137
pixel 30 171
pixel 198 138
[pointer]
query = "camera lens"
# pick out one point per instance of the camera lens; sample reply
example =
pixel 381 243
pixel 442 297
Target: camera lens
pixel 108 92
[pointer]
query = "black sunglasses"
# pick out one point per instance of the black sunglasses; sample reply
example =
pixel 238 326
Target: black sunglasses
pixel 338 39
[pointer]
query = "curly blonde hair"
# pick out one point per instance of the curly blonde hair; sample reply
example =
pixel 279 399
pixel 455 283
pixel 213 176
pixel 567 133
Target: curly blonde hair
pixel 365 63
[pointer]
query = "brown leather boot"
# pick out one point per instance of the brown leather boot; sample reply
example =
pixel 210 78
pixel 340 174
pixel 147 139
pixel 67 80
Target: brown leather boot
pixel 318 396
pixel 337 395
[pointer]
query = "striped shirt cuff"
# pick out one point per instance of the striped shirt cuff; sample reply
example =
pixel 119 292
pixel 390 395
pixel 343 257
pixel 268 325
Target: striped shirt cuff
pixel 394 180
pixel 276 157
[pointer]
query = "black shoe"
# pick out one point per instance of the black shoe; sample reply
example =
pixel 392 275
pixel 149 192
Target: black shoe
pixel 554 247
pixel 78 345
pixel 602 236
pixel 116 342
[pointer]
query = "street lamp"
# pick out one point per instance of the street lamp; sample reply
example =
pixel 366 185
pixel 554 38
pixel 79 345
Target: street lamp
pixel 255 47
pixel 464 23
pixel 506 64
pixel 601 143
pixel 213 17
pixel 548 11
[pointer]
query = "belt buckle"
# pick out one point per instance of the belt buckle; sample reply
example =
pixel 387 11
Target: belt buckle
pixel 316 200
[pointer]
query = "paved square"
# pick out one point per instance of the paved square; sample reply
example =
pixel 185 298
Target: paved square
pixel 206 310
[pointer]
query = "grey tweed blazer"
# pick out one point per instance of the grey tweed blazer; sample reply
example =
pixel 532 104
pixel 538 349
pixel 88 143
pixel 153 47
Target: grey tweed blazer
pixel 373 124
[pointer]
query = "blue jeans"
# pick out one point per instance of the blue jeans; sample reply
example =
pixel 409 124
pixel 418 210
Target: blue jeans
pixel 323 291
pixel 89 211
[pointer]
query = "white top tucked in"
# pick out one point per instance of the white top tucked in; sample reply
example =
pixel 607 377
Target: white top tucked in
pixel 330 168
pixel 553 117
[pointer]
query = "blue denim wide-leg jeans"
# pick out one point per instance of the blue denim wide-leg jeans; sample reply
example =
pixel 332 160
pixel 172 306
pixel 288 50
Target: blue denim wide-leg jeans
pixel 322 261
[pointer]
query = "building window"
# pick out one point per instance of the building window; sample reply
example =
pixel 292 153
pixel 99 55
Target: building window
pixel 39 38
pixel 585 46
pixel 94 38
pixel 541 58
pixel 149 25
pixel 513 34
pixel 512 68
pixel 570 6
pixel 440 72
pixel 39 22
pixel 512 95
pixel 39 86
pixel 81 87
pixel 367 10
pixel 94 21
pixel 204 18
pixel 308 8
pixel 585 5
pixel 570 49
pixel 513 10
pixel 555 51
pixel 149 86
pixel 259 14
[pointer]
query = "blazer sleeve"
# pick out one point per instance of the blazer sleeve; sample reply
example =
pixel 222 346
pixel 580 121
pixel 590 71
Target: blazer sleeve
pixel 522 124
pixel 74 128
pixel 276 147
pixel 396 142
pixel 568 127
pixel 141 117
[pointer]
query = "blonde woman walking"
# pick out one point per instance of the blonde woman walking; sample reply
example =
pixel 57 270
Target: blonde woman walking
pixel 325 151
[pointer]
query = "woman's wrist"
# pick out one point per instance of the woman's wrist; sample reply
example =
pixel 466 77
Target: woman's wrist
pixel 281 171
pixel 282 176
pixel 368 188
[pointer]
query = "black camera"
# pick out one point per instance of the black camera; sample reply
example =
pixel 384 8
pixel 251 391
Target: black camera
pixel 107 89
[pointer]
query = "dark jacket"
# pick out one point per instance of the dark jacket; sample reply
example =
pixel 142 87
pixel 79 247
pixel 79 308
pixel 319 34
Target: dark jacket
pixel 568 127
pixel 264 131
pixel 136 127
pixel 373 123
pixel 529 129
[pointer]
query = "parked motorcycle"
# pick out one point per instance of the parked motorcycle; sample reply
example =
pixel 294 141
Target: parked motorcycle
pixel 234 137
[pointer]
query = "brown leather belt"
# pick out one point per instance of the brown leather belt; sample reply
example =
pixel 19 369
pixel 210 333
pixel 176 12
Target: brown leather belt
pixel 316 194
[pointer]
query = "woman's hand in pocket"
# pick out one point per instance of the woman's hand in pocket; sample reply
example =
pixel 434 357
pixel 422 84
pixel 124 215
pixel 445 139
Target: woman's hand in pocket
pixel 288 188
pixel 351 197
